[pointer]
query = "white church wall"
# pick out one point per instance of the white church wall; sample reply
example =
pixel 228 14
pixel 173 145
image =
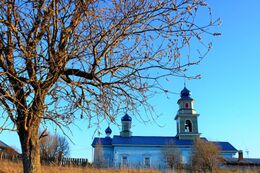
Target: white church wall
pixel 103 156
pixel 228 154
pixel 138 157
pixel 186 154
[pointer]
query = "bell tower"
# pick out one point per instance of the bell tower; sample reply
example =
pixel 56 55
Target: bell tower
pixel 186 118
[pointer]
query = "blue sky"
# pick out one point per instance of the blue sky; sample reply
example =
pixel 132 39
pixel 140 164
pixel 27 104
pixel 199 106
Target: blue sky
pixel 227 97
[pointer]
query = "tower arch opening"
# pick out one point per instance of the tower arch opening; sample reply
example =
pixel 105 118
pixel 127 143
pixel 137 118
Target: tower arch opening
pixel 188 126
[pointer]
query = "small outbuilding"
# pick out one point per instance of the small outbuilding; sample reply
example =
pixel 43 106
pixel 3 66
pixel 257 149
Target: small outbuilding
pixel 7 152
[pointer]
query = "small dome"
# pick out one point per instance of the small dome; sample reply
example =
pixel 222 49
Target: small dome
pixel 126 118
pixel 108 131
pixel 185 93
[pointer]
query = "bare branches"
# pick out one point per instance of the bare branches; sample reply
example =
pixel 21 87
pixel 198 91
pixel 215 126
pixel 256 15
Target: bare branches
pixel 51 146
pixel 205 156
pixel 63 60
pixel 172 156
pixel 79 73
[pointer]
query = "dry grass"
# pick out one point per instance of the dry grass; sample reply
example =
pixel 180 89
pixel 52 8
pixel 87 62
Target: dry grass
pixel 236 171
pixel 11 167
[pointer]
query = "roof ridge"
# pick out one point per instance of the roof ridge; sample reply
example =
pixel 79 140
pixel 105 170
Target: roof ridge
pixel 3 144
pixel 150 136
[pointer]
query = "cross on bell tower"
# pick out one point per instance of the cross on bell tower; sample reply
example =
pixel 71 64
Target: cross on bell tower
pixel 186 118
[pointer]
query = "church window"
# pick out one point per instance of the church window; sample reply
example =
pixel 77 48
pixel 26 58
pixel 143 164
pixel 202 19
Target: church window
pixel 124 161
pixel 147 162
pixel 186 105
pixel 188 126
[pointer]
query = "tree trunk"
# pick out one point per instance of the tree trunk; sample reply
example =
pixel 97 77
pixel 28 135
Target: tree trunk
pixel 30 149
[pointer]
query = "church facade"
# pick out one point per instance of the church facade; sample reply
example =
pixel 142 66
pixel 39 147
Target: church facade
pixel 127 150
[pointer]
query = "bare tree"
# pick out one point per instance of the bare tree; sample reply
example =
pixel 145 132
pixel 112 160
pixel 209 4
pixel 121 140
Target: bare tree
pixel 93 59
pixel 48 147
pixel 63 147
pixel 52 146
pixel 172 156
pixel 205 156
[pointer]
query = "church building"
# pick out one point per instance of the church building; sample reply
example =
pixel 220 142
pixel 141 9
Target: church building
pixel 127 150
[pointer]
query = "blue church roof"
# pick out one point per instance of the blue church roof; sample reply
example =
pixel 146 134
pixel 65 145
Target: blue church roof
pixel 149 140
pixel 126 118
pixel 225 146
pixel 102 141
pixel 108 130
pixel 155 141
pixel 185 94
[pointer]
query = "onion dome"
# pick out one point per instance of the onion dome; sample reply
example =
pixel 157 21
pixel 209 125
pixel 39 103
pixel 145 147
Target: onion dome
pixel 185 93
pixel 126 118
pixel 108 131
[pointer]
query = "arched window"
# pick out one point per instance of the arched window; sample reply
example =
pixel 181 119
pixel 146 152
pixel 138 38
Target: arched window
pixel 188 126
pixel 186 105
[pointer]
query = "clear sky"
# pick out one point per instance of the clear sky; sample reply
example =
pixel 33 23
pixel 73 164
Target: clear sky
pixel 227 97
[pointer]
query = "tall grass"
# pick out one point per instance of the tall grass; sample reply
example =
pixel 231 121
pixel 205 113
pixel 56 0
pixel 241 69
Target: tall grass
pixel 11 167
